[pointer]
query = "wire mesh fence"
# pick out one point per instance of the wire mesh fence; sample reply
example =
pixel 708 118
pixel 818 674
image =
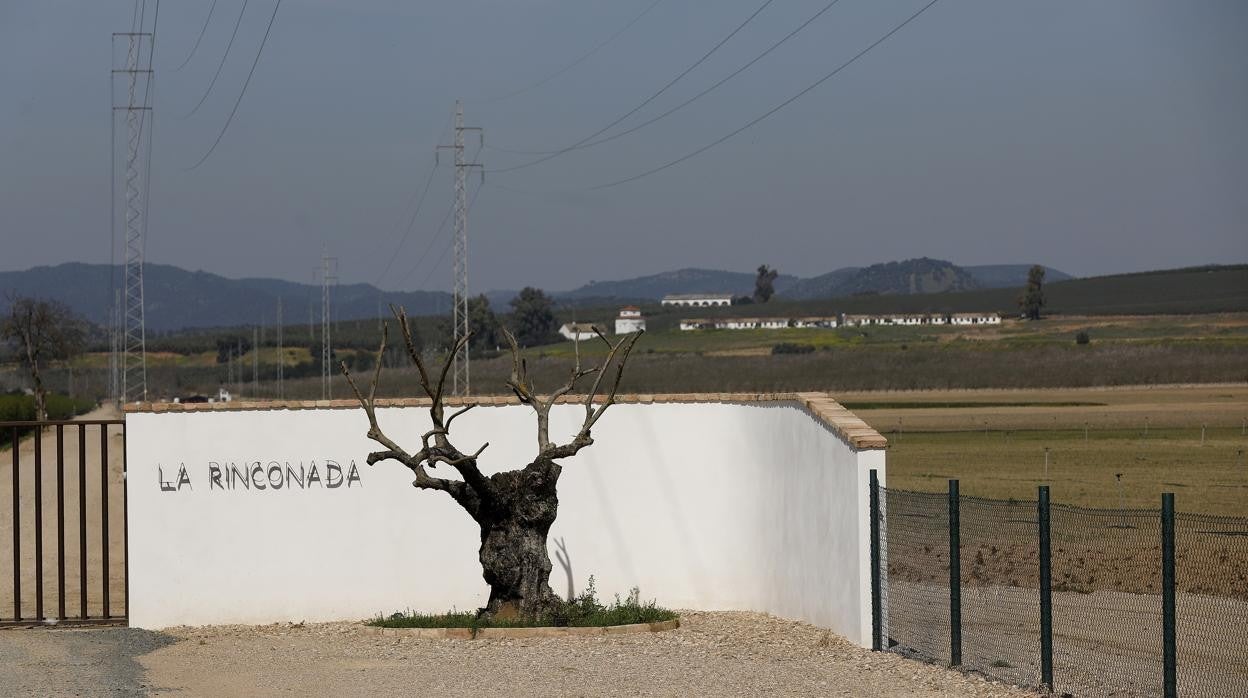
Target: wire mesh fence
pixel 1211 575
pixel 1095 624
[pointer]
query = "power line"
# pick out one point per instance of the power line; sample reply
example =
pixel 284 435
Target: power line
pixel 419 204
pixel 774 109
pixel 447 248
pixel 649 99
pixel 583 58
pixel 436 235
pixel 200 38
pixel 410 224
pixel 715 86
pixel 221 65
pixel 242 92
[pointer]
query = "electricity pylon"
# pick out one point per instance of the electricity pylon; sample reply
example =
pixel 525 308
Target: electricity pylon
pixel 459 314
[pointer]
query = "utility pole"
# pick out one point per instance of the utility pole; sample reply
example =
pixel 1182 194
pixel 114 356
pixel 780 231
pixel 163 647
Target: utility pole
pixel 114 346
pixel 459 314
pixel 255 362
pixel 136 177
pixel 281 352
pixel 329 275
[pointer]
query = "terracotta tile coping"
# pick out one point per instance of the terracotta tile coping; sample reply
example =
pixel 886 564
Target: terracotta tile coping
pixel 821 405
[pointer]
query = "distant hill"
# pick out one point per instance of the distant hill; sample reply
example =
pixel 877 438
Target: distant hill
pixel 922 275
pixel 911 276
pixel 177 298
pixel 822 286
pixel 688 280
pixel 1207 289
pixel 1011 275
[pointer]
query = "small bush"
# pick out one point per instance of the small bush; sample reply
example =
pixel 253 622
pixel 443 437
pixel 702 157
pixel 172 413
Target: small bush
pixel 1083 338
pixel 583 611
pixel 791 348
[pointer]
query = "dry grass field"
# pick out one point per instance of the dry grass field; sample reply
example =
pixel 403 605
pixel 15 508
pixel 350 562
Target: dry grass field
pixel 996 449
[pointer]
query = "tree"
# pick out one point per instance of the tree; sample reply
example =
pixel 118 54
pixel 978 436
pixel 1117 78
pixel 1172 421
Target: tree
pixel 764 283
pixel 533 317
pixel 482 325
pixel 42 331
pixel 514 509
pixel 1032 299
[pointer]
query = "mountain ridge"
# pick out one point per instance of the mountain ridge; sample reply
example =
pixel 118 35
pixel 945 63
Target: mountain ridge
pixel 178 298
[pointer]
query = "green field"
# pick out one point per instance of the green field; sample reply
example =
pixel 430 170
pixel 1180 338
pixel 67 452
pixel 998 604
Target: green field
pixel 994 443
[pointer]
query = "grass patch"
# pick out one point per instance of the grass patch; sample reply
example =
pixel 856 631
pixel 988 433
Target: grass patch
pixel 584 611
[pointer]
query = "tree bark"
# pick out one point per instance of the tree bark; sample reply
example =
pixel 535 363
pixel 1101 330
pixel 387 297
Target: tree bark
pixel 41 394
pixel 515 524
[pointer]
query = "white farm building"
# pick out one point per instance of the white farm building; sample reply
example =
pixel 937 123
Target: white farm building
pixel 698 300
pixel 629 320
pixel 579 331
pixel 975 319
pixel 758 323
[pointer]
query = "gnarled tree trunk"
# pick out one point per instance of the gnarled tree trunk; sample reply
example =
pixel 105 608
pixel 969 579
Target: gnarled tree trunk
pixel 514 529
pixel 515 509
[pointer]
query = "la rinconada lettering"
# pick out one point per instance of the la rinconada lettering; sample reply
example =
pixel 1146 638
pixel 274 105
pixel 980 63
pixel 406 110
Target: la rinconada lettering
pixel 269 477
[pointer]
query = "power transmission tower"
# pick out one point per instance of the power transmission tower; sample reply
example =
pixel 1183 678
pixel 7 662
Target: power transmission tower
pixel 459 313
pixel 329 276
pixel 138 118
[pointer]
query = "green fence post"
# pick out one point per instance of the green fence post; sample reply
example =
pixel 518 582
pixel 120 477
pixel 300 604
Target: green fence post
pixel 877 603
pixel 955 576
pixel 1170 659
pixel 1046 591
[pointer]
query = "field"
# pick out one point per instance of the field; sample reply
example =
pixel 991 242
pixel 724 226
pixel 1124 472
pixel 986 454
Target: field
pixel 1152 436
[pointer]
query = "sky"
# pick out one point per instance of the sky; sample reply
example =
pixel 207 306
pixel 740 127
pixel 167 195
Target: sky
pixel 1094 137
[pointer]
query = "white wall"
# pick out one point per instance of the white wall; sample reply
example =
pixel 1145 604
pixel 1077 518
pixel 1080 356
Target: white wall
pixel 704 506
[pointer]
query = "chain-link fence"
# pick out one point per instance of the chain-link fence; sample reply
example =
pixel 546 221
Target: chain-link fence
pixel 1063 596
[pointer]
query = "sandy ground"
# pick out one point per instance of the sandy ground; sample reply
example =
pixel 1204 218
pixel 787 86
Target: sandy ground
pixel 719 654
pixel 26 520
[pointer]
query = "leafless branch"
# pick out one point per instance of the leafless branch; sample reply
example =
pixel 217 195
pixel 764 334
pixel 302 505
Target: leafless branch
pixel 430 454
pixel 524 390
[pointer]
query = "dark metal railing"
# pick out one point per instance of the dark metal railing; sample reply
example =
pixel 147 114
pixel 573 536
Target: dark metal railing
pixel 93 602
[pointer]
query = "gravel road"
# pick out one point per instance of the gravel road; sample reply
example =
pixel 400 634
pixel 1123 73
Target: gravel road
pixel 63 662
pixel 723 654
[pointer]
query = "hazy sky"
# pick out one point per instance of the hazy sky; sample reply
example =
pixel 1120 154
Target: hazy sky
pixel 1093 136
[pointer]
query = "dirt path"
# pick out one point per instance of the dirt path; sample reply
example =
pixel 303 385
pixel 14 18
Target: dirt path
pixel 95 662
pixel 727 654
pixel 47 456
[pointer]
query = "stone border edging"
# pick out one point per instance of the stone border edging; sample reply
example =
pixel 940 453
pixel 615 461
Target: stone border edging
pixel 517 633
pixel 857 433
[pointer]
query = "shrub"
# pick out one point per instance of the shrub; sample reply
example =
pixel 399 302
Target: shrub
pixel 583 611
pixel 792 348
pixel 1082 338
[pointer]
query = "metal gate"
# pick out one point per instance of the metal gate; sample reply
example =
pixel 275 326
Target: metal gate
pixel 66 517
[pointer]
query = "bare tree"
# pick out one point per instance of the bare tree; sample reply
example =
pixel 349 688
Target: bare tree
pixel 515 509
pixel 42 331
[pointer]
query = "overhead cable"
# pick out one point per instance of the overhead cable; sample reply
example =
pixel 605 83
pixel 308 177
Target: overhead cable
pixel 715 86
pixel 202 31
pixel 773 110
pixel 586 56
pixel 242 92
pixel 220 65
pixel 419 204
pixel 646 101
